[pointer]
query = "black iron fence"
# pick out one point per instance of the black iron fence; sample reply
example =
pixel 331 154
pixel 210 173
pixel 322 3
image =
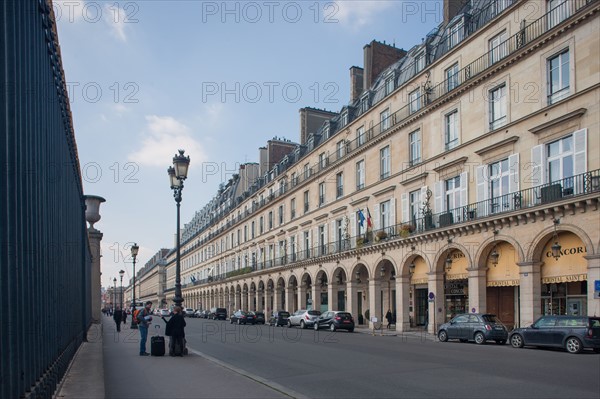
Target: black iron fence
pixel 45 261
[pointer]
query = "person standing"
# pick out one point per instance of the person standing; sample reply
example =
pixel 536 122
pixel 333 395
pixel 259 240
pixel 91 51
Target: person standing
pixel 117 318
pixel 144 318
pixel 389 318
pixel 124 317
pixel 175 330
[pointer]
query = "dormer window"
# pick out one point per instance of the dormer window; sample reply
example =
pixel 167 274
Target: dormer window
pixel 420 62
pixel 344 120
pixel 326 131
pixel 389 84
pixel 364 103
pixel 456 33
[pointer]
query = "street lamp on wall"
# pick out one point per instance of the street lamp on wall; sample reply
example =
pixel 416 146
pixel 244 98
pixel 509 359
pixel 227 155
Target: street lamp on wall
pixel 495 255
pixel 177 174
pixel 134 252
pixel 556 246
pixel 448 261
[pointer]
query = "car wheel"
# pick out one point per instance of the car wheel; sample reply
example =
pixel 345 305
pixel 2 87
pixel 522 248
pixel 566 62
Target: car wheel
pixel 443 336
pixel 516 341
pixel 230 321
pixel 289 324
pixel 302 325
pixel 332 327
pixel 501 341
pixel 239 322
pixel 479 338
pixel 573 345
pixel 316 326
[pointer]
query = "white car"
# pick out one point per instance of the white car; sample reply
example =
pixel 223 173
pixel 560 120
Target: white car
pixel 188 312
pixel 165 313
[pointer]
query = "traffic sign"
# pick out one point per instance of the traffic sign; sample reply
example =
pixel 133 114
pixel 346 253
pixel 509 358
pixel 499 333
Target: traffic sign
pixel 431 295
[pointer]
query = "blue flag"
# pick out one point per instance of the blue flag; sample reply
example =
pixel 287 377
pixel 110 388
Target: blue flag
pixel 361 218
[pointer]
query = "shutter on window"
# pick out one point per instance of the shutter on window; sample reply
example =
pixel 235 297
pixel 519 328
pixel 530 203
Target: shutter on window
pixel 422 199
pixel 392 211
pixel 579 152
pixel 352 224
pixel 438 195
pixel 482 183
pixel 513 177
pixel 538 169
pixel 404 201
pixel 375 217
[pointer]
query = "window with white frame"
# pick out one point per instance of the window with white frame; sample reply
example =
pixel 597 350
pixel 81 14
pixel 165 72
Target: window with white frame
pixel 384 162
pixel 322 242
pixel 306 171
pixel 261 225
pixel 389 84
pixel 455 34
pixel 497 99
pixel 360 175
pixel 559 155
pixel 340 148
pixel 499 175
pixel 414 101
pixel 558 77
pixel 414 205
pixel 558 11
pixel 322 160
pixel 384 119
pixel 497 47
pixel 253 229
pixel 452 193
pixel 451 130
pixel 344 118
pixel 307 244
pixel 414 147
pixel 293 208
pixel 293 248
pixel 384 216
pixel 364 104
pixel 326 131
pixel 280 214
pixel 306 204
pixel 420 62
pixel 360 136
pixel 321 194
pixel 339 184
pixel 294 179
pixel 270 220
pixel 452 77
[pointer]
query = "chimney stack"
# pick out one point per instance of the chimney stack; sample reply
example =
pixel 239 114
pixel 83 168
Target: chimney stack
pixel 452 8
pixel 356 82
pixel 378 56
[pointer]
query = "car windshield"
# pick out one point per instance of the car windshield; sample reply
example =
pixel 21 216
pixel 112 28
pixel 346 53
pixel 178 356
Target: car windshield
pixel 342 314
pixel 284 314
pixel 490 318
pixel 314 312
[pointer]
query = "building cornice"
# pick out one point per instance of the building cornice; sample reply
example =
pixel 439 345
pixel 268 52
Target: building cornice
pixel 563 118
pixel 360 200
pixel 383 191
pixel 421 176
pixel 499 144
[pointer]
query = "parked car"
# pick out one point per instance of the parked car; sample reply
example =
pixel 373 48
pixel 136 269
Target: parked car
pixel 335 320
pixel 279 318
pixel 303 318
pixel 188 312
pixel 198 313
pixel 259 317
pixel 474 327
pixel 204 314
pixel 574 333
pixel 218 314
pixel 241 317
pixel 165 313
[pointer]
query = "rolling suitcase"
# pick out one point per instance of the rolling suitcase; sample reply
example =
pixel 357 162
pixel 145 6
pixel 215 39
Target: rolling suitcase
pixel 157 345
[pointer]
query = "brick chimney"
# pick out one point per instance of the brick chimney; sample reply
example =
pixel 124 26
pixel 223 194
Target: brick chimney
pixel 356 82
pixel 451 9
pixel 378 56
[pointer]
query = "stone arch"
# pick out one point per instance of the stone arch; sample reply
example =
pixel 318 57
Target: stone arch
pixel 486 246
pixel 411 256
pixel 320 274
pixel 359 266
pixel 341 272
pixel 385 261
pixel 540 240
pixel 438 263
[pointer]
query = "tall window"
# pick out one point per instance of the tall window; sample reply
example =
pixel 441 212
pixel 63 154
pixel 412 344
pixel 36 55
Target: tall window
pixel 497 98
pixel 414 205
pixel 270 220
pixel 252 229
pixel 558 11
pixel 414 101
pixel 558 77
pixel 384 216
pixel 452 193
pixel 294 179
pixel 307 244
pixel 499 174
pixel 419 62
pixel 559 154
pixel 455 34
pixel 344 120
pixel 322 243
pixel 306 171
pixel 293 208
pixel 293 248
pixel 280 214
pixel 360 175
pixel 305 201
pixel 340 148
pixel 321 194
pixel 384 118
pixel 384 157
pixel 497 47
pixel 360 136
pixel 261 225
pixel 414 147
pixel 451 130
pixel 322 160
pixel 452 77
pixel 389 85
pixel 339 184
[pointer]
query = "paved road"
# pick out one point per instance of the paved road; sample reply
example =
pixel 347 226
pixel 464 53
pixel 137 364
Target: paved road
pixel 328 365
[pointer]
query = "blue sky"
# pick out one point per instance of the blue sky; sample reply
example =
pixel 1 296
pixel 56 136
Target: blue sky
pixel 217 79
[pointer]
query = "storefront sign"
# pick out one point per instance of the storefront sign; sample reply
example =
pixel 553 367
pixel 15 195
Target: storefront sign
pixel 569 251
pixel 453 277
pixel 455 289
pixel 415 281
pixel 504 283
pixel 565 279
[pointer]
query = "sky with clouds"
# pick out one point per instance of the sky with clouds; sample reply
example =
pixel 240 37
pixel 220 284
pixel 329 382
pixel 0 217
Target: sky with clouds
pixel 217 79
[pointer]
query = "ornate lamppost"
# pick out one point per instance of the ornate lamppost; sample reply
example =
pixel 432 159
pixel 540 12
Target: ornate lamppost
pixel 114 294
pixel 134 252
pixel 121 274
pixel 177 174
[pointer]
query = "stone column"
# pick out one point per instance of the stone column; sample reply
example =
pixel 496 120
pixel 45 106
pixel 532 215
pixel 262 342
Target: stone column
pixel 276 296
pixel 402 303
pixel 477 290
pixel 92 215
pixel 245 300
pixel 350 300
pixel 375 301
pixel 289 299
pixel 259 301
pixel 531 292
pixel 332 290
pixel 593 274
pixel 436 309
pixel 253 303
pixel 301 297
pixel 315 296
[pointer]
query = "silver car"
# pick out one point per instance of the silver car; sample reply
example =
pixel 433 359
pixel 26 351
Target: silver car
pixel 303 318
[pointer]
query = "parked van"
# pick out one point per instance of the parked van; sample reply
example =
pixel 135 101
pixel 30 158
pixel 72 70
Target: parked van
pixel 218 314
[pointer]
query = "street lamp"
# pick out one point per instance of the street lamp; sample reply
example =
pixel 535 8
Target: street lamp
pixel 134 252
pixel 121 273
pixel 115 294
pixel 177 174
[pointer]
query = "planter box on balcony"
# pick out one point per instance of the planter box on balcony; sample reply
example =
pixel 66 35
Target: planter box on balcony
pixel 446 219
pixel 551 193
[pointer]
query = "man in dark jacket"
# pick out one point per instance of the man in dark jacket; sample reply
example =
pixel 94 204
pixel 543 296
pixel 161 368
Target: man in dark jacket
pixel 175 330
pixel 117 317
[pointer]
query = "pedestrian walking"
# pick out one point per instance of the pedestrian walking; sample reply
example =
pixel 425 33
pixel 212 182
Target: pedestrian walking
pixel 176 333
pixel 124 317
pixel 117 318
pixel 389 318
pixel 144 318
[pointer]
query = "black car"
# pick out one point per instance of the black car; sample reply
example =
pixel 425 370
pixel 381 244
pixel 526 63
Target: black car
pixel 218 314
pixel 335 321
pixel 574 333
pixel 259 317
pixel 241 317
pixel 279 318
pixel 474 327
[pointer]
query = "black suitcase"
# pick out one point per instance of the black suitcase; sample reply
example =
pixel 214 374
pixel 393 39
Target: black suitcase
pixel 157 345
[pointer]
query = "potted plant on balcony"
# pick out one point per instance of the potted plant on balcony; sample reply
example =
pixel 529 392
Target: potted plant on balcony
pixel 381 235
pixel 360 242
pixel 406 230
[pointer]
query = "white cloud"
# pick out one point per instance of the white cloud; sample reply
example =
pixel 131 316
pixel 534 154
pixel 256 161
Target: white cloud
pixel 115 17
pixel 360 13
pixel 164 135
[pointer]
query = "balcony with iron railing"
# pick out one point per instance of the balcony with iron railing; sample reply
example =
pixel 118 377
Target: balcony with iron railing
pixel 471 72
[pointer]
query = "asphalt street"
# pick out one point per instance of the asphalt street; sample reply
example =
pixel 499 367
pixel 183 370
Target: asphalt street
pixel 353 365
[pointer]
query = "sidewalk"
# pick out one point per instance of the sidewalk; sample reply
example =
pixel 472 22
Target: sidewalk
pixel 109 366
